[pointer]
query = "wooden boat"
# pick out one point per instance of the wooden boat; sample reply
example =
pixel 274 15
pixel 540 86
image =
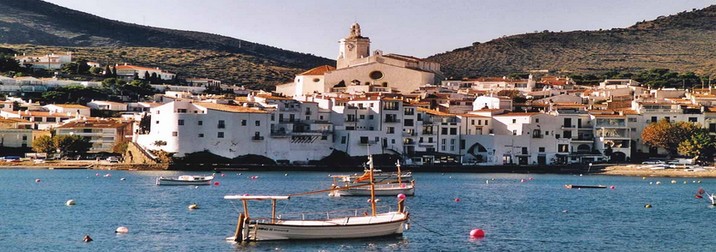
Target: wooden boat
pixel 386 187
pixel 185 180
pixel 570 186
pixel 371 224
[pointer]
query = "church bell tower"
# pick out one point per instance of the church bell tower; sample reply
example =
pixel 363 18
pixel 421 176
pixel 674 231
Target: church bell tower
pixel 352 48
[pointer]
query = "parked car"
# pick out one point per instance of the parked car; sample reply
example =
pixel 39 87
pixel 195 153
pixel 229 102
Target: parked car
pixel 113 159
pixel 12 158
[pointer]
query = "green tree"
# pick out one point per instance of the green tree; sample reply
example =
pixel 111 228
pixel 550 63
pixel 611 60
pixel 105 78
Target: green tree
pixel 71 144
pixel 700 145
pixel 43 144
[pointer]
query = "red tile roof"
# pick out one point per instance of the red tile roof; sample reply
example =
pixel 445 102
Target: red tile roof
pixel 320 70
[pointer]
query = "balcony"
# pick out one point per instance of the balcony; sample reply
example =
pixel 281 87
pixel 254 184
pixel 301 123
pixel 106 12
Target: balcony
pixel 428 133
pixel 350 119
pixel 391 120
pixel 257 138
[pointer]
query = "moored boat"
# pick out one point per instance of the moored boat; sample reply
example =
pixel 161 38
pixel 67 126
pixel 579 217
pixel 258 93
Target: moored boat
pixel 570 186
pixel 388 186
pixel 185 180
pixel 358 225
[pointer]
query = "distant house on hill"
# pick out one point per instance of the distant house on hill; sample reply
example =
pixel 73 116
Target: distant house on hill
pixel 128 71
pixel 47 62
pixel 203 82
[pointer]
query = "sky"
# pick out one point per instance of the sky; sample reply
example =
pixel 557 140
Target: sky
pixel 417 28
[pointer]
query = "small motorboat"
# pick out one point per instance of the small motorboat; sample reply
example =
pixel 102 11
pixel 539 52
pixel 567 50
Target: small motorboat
pixel 570 186
pixel 185 180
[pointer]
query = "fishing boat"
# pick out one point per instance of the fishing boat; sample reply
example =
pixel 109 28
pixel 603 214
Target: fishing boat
pixel 386 187
pixel 185 180
pixel 358 225
pixel 585 186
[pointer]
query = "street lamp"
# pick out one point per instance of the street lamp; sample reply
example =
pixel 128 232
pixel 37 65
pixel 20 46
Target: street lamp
pixel 590 168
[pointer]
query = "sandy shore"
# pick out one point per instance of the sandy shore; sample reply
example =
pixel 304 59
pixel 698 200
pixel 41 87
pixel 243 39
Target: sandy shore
pixel 634 170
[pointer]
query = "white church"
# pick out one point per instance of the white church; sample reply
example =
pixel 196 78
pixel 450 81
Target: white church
pixel 358 72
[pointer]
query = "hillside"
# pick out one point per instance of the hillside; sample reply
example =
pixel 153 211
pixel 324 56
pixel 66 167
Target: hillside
pixel 681 42
pixel 39 23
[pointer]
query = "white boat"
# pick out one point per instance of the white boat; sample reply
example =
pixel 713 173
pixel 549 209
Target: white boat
pixel 185 180
pixel 366 225
pixel 387 187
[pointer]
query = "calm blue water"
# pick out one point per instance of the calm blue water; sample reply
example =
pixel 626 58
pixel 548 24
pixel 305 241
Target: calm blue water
pixel 535 215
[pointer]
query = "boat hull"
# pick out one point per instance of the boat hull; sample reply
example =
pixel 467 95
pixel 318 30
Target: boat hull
pixel 342 228
pixel 174 182
pixel 408 190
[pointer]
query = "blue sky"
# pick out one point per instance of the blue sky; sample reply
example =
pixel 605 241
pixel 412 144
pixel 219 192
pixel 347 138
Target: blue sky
pixel 418 28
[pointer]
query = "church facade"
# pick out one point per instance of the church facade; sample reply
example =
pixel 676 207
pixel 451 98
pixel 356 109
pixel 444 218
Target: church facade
pixel 357 71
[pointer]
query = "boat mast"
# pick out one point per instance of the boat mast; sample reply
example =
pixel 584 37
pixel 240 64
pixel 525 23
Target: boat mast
pixel 397 164
pixel 372 183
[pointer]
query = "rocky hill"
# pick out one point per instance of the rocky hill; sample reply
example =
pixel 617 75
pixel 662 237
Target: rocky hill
pixel 681 42
pixel 49 27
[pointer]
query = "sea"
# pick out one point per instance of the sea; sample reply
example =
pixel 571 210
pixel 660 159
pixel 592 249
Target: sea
pixel 517 212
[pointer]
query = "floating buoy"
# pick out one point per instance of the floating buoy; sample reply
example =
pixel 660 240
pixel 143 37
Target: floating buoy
pixel 216 183
pixel 87 238
pixel 530 178
pixel 38 180
pixel 122 230
pixel 522 180
pixel 193 206
pixel 685 182
pixel 651 183
pixel 658 182
pixel 401 196
pixel 108 175
pixel 195 187
pixel 612 187
pixel 70 203
pixel 96 174
pixel 487 182
pixel 376 200
pixel 673 181
pixel 285 174
pixel 122 179
pixel 565 211
pixel 238 174
pixel 698 181
pixel 222 174
pixel 647 206
pixel 457 199
pixel 477 233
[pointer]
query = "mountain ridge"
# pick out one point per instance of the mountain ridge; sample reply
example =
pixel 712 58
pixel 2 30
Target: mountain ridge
pixel 681 42
pixel 45 24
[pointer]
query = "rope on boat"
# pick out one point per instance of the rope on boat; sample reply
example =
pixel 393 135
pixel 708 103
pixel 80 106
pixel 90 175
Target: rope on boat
pixel 433 231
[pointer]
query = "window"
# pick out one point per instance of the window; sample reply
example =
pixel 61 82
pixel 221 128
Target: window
pixel 479 122
pixel 392 141
pixel 563 148
pixel 343 139
pixel 536 120
pixel 157 122
pixel 408 122
pixel 514 120
pixel 24 137
pixel 364 139
pixel 86 130
pixel 220 134
pixel 452 141
pixel 258 123
pixel 376 75
pixel 181 110
pixel 221 124
pixel 362 117
pixel 712 127
pixel 653 119
pixel 243 122
pixel 541 149
pixel 174 133
pixel 370 117
pixel 514 132
pixel 200 123
pixel 567 134
pixel 453 131
pixel 693 119
pixel 180 122
pixel 201 135
pixel 632 119
pixel 444 141
pixel 444 131
pixel 391 130
pixel 324 137
pixel 524 150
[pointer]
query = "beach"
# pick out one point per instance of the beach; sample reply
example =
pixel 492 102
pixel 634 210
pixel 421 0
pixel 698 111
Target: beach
pixel 634 170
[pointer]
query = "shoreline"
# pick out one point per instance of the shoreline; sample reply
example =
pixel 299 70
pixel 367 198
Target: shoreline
pixel 631 170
